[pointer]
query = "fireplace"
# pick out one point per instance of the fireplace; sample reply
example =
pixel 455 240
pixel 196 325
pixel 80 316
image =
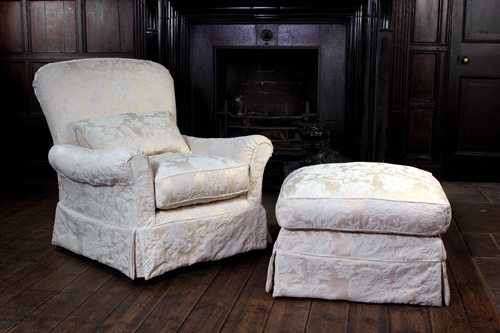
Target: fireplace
pixel 269 70
pixel 264 79
pixel 266 91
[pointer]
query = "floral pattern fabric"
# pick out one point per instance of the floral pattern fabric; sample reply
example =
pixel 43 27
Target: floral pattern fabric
pixel 80 89
pixel 107 209
pixel 187 179
pixel 359 267
pixel 364 197
pixel 254 150
pixel 203 232
pixel 94 184
pixel 152 132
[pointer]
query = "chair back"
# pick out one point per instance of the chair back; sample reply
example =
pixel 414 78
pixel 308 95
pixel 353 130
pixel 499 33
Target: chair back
pixel 72 90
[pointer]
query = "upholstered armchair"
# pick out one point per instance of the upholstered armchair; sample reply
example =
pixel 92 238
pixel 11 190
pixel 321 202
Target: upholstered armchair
pixel 134 193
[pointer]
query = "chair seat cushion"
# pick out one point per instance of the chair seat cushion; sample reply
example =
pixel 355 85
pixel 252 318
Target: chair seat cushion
pixel 187 179
pixel 364 196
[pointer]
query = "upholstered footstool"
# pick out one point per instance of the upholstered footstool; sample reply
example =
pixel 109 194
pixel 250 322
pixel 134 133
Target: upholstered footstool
pixel 365 232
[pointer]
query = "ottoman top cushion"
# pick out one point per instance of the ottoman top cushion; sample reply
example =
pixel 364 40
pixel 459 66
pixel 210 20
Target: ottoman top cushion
pixel 364 197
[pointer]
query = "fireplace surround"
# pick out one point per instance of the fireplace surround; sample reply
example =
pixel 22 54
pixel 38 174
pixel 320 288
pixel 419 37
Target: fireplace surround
pixel 336 41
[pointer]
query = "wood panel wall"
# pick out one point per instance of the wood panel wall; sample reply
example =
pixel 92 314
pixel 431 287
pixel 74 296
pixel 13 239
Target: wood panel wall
pixel 421 52
pixel 34 33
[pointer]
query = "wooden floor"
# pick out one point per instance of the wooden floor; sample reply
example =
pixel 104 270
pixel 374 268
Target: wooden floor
pixel 46 288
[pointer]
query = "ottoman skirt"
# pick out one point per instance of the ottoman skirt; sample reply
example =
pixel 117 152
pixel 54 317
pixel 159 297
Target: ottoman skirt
pixel 370 268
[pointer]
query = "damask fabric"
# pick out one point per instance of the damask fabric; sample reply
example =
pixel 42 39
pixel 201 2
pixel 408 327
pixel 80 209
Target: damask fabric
pixel 183 236
pixel 359 267
pixel 197 233
pixel 107 209
pixel 152 132
pixel 364 197
pixel 253 150
pixel 81 89
pixel 188 179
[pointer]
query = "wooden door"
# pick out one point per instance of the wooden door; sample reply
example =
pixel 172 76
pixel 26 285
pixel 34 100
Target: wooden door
pixel 473 122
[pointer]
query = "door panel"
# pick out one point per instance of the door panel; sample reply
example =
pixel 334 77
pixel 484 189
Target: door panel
pixel 479 110
pixel 482 23
pixel 473 121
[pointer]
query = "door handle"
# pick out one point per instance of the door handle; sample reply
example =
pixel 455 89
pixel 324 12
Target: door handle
pixel 465 60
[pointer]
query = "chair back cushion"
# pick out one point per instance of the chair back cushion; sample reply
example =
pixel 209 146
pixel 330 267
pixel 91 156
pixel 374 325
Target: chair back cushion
pixel 152 132
pixel 74 90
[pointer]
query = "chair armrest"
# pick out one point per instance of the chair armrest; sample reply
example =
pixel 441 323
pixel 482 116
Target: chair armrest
pixel 241 148
pixel 111 185
pixel 255 150
pixel 94 167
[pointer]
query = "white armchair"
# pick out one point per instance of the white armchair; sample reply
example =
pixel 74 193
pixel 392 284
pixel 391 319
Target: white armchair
pixel 145 200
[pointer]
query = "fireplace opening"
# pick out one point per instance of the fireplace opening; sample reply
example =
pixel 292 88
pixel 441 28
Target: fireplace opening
pixel 271 92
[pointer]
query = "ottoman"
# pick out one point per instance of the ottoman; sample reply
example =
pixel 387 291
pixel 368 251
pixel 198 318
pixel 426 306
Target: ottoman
pixel 362 231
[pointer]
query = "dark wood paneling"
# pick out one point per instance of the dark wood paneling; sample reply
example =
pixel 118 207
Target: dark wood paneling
pixel 36 32
pixel 415 131
pixel 420 129
pixel 12 83
pixel 126 20
pixel 397 119
pixel 423 77
pixel 102 26
pixel 53 26
pixel 11 38
pixel 426 26
pixel 444 20
pixel 109 26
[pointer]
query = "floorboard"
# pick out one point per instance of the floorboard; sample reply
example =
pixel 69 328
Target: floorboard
pixel 214 306
pixel 328 316
pixel 95 309
pixel 45 288
pixel 176 306
pixel 137 306
pixel 288 315
pixel 50 314
pixel 478 304
pixel 368 317
pixel 251 310
pixel 402 318
pixel 453 317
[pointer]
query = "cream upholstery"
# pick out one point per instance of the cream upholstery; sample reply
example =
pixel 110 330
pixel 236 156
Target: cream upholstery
pixel 187 179
pixel 122 204
pixel 372 268
pixel 368 197
pixel 152 132
pixel 365 232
